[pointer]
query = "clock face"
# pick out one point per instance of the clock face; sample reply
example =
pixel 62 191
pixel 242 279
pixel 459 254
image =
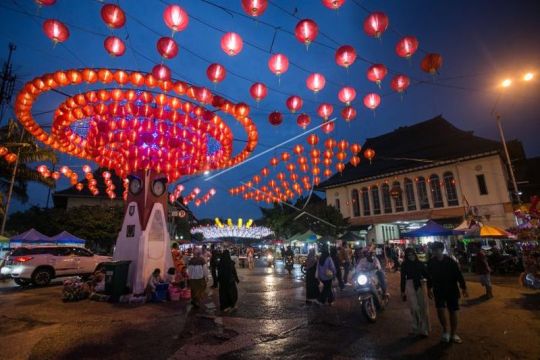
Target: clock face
pixel 158 187
pixel 135 186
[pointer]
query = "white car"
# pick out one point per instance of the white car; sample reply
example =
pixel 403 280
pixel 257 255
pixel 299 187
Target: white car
pixel 39 265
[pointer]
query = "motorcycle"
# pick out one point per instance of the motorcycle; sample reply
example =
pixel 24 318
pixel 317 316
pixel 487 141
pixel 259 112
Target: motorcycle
pixel 269 260
pixel 289 264
pixel 370 294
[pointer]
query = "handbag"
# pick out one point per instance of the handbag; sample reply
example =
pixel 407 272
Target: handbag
pixel 329 273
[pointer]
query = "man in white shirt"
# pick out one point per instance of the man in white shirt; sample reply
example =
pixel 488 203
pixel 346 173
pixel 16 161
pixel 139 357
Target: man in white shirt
pixel 370 263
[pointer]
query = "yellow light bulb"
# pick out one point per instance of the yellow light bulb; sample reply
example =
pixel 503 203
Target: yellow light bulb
pixel 528 76
pixel 506 83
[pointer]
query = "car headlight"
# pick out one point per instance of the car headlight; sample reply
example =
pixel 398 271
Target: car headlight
pixel 269 257
pixel 362 280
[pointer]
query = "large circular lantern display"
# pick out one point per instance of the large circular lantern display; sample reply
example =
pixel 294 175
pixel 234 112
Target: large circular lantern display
pixel 407 46
pixel 55 30
pixel 167 47
pixel 278 64
pixel 345 56
pixel 431 63
pixel 175 17
pixel 232 43
pixel 113 16
pixel 376 24
pixel 114 46
pixel 306 31
pixel 132 129
pixel 254 7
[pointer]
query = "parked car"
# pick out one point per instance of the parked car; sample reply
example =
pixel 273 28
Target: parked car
pixel 39 265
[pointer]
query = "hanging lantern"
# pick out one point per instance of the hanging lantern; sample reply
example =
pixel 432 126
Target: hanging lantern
pixel 241 110
pixel 407 46
pixel 355 148
pixel 167 47
pixel 254 7
pixel 376 73
pixel 372 100
pixel 285 156
pixel 345 56
pixel 306 31
pixel 312 139
pixel 278 64
pixel 232 43
pixel 298 149
pixel 330 144
pixel 275 118
pixel 333 4
pixel 400 83
pixel 325 110
pixel 216 73
pixel 4 150
pixel 342 145
pixel 55 30
pixel 340 167
pixel 79 186
pixel 376 24
pixel 328 127
pixel 56 175
pixel 40 169
pixel 265 172
pixel 274 161
pixel 327 172
pixel 355 160
pixel 369 154
pixel 113 16
pixel 341 156
pixel 10 158
pixel 346 95
pixel 315 82
pixel 303 120
pixel 161 72
pixel 294 103
pixel 45 2
pixel 114 46
pixel 348 113
pixel 258 91
pixel 431 63
pixel 175 18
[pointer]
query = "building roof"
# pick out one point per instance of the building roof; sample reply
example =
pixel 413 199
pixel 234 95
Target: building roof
pixel 409 147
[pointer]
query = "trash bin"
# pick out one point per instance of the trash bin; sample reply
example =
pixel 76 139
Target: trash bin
pixel 116 275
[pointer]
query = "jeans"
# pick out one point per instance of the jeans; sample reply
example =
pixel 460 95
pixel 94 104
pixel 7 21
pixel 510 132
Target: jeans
pixel 326 293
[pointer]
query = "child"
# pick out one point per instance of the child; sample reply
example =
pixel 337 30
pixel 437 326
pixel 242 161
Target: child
pixel 154 280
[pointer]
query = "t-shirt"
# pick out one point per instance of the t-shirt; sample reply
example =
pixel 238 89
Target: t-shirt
pixel 444 276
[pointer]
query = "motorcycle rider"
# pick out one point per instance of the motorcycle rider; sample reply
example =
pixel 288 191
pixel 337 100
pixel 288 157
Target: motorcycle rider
pixel 370 263
pixel 288 256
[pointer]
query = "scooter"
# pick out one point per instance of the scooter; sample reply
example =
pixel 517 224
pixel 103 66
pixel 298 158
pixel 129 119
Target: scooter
pixel 370 295
pixel 289 264
pixel 269 260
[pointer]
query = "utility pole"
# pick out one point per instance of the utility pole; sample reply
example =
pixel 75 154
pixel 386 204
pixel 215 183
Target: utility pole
pixel 7 83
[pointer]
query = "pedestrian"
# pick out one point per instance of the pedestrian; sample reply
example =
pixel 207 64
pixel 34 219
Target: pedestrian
pixel 250 258
pixel 444 276
pixel 178 260
pixel 483 269
pixel 413 277
pixel 327 271
pixel 312 283
pixel 152 284
pixel 227 278
pixel 370 263
pixel 337 264
pixel 214 261
pixel 198 275
pixel 345 260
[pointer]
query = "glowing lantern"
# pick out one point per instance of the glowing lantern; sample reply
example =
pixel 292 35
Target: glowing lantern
pixel 265 172
pixel 325 110
pixel 278 64
pixel 113 16
pixel 376 73
pixel 315 82
pixel 291 167
pixel 303 120
pixel 327 172
pixel 40 169
pixel 161 72
pixel 372 100
pixel 400 83
pixel 258 91
pixel 254 7
pixel 369 154
pixel 355 160
pixel 216 73
pixel 167 47
pixel 333 4
pixel 340 167
pixel 407 46
pixel 355 148
pixel 4 150
pixel 55 30
pixel 343 145
pixel 64 170
pixel 79 186
pixel 431 63
pixel 285 156
pixel 274 161
pixel 348 113
pixel 275 118
pixel 175 18
pixel 341 156
pixel 10 157
pixel 294 103
pixel 312 139
pixel 345 56
pixel 376 24
pixel 328 127
pixel 114 46
pixel 330 144
pixel 45 2
pixel 86 169
pixel 346 95
pixel 232 43
pixel 306 31
pixel 298 149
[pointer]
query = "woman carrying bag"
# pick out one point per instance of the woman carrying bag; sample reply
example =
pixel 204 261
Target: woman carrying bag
pixel 326 271
pixel 312 283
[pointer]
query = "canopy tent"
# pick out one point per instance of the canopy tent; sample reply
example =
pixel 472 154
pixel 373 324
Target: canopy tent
pixel 30 237
pixel 349 236
pixel 307 237
pixel 463 227
pixel 65 238
pixel 430 229
pixel 485 231
pixel 294 237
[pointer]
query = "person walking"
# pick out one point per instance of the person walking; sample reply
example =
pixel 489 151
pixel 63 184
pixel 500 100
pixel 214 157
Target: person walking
pixel 345 260
pixel 227 279
pixel 337 264
pixel 312 283
pixel 327 271
pixel 250 258
pixel 198 275
pixel 413 277
pixel 483 269
pixel 214 261
pixel 444 276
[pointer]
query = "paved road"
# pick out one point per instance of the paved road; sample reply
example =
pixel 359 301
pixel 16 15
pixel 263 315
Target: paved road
pixel 272 322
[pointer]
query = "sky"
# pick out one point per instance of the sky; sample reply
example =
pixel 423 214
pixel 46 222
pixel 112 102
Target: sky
pixel 481 41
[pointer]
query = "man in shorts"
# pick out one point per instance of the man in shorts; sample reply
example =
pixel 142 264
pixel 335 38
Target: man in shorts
pixel 444 277
pixel 483 269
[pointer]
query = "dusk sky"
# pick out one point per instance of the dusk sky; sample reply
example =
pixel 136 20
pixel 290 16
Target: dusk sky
pixel 482 42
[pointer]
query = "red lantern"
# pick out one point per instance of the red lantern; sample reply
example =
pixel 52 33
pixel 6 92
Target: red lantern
pixel 306 31
pixel 340 167
pixel 294 103
pixel 345 56
pixel 369 154
pixel 278 64
pixel 10 157
pixel 400 83
pixel 254 7
pixel 55 30
pixel 79 186
pixel 114 46
pixel 232 43
pixel 258 91
pixel 175 18
pixel 355 148
pixel 333 4
pixel 312 139
pixel 325 110
pixel 265 172
pixel 407 46
pixel 275 118
pixel 372 100
pixel 376 73
pixel 285 156
pixel 315 82
pixel 375 24
pixel 274 161
pixel 113 16
pixel 348 113
pixel 346 95
pixel 161 72
pixel 241 110
pixel 431 63
pixel 343 145
pixel 167 47
pixel 328 127
pixel 303 120
pixel 355 160
pixel 216 73
pixel 45 2
pixel 298 149
pixel 4 150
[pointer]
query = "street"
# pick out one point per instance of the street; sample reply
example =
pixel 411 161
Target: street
pixel 272 321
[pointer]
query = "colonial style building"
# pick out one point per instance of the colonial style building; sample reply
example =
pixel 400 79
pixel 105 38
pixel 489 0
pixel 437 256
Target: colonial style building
pixel 430 170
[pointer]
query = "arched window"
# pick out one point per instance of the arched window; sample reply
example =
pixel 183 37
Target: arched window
pixel 397 194
pixel 365 201
pixel 337 204
pixel 355 203
pixel 409 194
pixel 450 186
pixel 436 194
pixel 387 202
pixel 376 200
pixel 421 189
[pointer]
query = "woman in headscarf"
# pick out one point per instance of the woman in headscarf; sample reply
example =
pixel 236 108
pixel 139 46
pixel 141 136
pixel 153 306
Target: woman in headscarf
pixel 327 271
pixel 312 283
pixel 198 275
pixel 413 274
pixel 227 279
